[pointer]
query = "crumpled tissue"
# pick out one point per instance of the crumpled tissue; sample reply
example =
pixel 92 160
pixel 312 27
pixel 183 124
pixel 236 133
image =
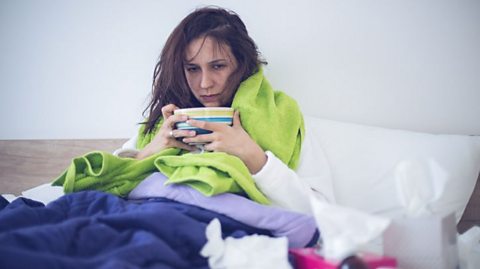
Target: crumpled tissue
pixel 345 231
pixel 419 183
pixel 254 251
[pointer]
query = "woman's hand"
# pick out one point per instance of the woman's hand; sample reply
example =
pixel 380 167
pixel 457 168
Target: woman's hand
pixel 166 136
pixel 233 140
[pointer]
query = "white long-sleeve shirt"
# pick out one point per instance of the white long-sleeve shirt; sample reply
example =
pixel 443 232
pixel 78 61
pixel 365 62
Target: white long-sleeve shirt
pixel 284 187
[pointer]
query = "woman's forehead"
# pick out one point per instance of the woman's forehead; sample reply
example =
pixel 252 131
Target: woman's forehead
pixel 207 48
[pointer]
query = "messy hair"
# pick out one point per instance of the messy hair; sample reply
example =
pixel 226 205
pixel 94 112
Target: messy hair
pixel 169 82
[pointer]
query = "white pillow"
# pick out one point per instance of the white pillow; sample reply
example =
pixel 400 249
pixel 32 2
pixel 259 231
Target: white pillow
pixel 363 160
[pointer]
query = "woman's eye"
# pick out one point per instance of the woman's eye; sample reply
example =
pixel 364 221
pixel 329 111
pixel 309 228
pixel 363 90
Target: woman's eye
pixel 218 66
pixel 192 69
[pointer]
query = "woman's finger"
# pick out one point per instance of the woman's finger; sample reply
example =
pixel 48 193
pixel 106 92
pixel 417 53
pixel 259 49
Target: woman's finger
pixel 209 147
pixel 210 126
pixel 167 110
pixel 178 144
pixel 176 133
pixel 236 119
pixel 172 120
pixel 205 138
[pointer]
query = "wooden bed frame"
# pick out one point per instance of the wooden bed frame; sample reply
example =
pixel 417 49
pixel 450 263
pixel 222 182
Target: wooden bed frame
pixel 25 164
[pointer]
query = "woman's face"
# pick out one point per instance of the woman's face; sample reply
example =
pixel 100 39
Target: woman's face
pixel 208 65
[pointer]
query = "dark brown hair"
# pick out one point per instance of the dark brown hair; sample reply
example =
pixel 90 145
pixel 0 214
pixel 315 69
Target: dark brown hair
pixel 169 83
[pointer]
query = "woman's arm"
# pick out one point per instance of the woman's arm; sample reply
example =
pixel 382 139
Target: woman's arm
pixel 291 189
pixel 282 185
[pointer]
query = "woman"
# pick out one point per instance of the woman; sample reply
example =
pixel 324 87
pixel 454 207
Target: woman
pixel 216 55
pixel 207 61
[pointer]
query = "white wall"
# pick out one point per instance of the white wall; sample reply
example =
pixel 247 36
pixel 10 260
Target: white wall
pixel 82 69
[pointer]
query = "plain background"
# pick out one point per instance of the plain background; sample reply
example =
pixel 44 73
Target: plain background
pixel 83 69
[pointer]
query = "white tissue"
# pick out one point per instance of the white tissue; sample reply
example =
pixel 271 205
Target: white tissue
pixel 345 230
pixel 254 251
pixel 469 248
pixel 419 184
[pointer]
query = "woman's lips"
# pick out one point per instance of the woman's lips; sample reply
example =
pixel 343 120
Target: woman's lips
pixel 209 98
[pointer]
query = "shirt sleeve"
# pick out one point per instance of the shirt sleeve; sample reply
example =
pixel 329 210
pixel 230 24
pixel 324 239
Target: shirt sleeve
pixel 291 189
pixel 283 186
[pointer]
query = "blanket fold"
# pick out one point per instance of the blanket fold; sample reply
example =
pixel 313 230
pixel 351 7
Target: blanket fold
pixel 271 118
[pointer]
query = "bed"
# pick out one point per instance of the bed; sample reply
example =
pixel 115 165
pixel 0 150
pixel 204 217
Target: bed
pixel 25 164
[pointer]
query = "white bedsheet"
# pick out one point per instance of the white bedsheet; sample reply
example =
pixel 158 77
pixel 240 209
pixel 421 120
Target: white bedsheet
pixel 44 193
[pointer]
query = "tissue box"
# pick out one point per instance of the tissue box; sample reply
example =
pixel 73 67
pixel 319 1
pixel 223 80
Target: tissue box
pixel 423 242
pixel 307 258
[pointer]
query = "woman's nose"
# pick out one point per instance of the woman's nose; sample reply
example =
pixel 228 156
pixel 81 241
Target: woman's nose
pixel 207 81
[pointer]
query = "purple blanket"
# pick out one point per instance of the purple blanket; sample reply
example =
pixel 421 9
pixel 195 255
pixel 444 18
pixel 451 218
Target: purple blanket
pixel 300 229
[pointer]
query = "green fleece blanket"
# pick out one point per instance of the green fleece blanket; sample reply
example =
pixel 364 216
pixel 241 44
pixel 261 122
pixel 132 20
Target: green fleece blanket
pixel 105 172
pixel 272 119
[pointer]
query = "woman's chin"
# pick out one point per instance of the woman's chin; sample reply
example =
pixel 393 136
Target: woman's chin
pixel 213 104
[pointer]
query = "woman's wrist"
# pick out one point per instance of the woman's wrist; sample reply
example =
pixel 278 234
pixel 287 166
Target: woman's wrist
pixel 255 159
pixel 144 153
pixel 140 155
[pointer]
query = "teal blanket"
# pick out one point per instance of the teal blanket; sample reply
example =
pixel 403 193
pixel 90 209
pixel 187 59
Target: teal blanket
pixel 271 118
